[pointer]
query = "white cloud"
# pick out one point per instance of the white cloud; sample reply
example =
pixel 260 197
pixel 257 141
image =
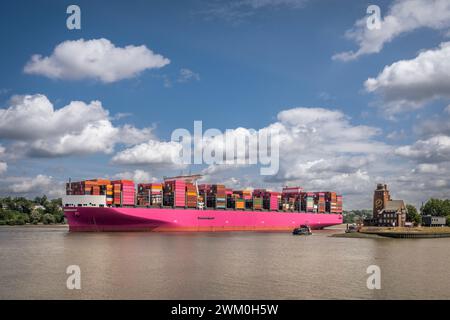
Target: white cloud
pixel 429 157
pixel 78 128
pixel 320 149
pixel 99 136
pixel 428 168
pixel 435 125
pixel 3 165
pixel 38 185
pixel 187 75
pixel 151 152
pixel 138 176
pixel 237 10
pixel 408 84
pixel 402 17
pixel 121 115
pixel 313 129
pixel 95 59
pixel 32 117
pixel 397 135
pixel 434 149
pixel 447 109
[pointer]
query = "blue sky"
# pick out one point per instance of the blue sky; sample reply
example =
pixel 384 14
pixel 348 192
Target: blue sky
pixel 248 60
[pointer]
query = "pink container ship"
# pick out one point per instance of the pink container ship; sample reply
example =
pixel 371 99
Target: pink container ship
pixel 179 204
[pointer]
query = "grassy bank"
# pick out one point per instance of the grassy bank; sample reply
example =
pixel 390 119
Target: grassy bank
pixel 416 230
pixel 396 232
pixel 357 235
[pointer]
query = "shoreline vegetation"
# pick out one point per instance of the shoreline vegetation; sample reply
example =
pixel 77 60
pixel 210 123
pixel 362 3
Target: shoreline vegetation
pixel 21 211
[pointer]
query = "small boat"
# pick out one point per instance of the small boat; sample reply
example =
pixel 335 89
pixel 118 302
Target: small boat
pixel 351 228
pixel 302 231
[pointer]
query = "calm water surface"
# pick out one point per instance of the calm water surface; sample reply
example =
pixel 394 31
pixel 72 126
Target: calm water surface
pixel 235 265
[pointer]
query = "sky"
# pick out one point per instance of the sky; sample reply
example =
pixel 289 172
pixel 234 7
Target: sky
pixel 353 105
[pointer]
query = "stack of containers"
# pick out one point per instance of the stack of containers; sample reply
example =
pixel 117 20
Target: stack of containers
pixel 109 194
pixel 259 192
pixel 128 193
pixel 289 204
pixel 320 197
pixel 143 194
pixel 176 190
pixel 191 195
pixel 292 190
pixel 271 199
pixel 149 194
pixel 234 201
pixel 291 198
pixel 239 203
pixel 100 187
pixel 75 188
pixel 117 193
pixel 204 190
pixel 88 186
pixel 274 200
pixel 339 204
pixel 219 196
pixel 124 192
pixel 246 195
pixel 333 202
pixel 96 190
pixel 257 203
pixel 231 198
pixel 156 194
pixel 310 202
pixel 258 195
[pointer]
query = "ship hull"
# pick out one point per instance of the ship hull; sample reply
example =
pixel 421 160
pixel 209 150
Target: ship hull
pixel 192 220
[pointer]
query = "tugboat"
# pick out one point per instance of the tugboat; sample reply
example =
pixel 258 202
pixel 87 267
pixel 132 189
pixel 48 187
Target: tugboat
pixel 351 228
pixel 302 231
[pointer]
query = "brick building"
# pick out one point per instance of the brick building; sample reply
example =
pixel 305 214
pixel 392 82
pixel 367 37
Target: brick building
pixel 386 212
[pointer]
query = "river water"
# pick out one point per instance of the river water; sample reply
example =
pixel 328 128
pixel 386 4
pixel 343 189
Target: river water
pixel 232 265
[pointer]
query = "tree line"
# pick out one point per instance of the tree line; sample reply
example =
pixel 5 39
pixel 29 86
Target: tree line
pixel 19 211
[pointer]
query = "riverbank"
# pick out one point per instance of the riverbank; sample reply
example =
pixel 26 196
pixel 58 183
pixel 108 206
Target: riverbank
pixel 39 225
pixel 357 235
pixel 397 232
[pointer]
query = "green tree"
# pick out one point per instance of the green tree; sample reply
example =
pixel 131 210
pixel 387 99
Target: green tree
pixel 412 215
pixel 48 218
pixel 36 216
pixel 41 200
pixel 355 216
pixel 436 207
